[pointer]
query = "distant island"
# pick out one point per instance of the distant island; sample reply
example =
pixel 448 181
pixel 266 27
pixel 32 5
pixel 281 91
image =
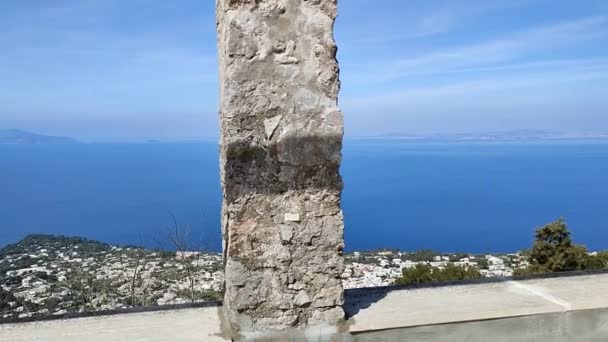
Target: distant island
pixel 499 136
pixel 18 136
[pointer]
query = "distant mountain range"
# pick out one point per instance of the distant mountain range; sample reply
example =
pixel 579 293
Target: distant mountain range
pixel 17 136
pixel 517 135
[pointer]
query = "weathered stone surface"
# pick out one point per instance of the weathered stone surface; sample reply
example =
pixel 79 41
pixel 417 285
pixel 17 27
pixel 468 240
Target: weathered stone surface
pixel 281 139
pixel 286 233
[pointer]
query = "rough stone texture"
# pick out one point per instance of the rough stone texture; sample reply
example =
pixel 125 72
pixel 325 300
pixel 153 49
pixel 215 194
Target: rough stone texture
pixel 281 139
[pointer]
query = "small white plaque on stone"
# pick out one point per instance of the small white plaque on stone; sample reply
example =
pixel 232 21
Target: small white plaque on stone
pixel 292 217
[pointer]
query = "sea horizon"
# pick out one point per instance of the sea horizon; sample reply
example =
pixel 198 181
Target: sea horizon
pixel 465 196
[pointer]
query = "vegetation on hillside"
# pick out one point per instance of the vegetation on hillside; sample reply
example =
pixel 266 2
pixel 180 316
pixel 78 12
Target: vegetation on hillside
pixel 423 273
pixel 53 241
pixel 6 298
pixel 46 274
pixel 554 251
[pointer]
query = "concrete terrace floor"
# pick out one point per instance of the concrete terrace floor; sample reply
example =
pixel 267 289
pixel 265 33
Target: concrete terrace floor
pixel 552 309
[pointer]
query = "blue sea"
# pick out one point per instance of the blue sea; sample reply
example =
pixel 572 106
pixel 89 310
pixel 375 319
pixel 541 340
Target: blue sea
pixel 448 196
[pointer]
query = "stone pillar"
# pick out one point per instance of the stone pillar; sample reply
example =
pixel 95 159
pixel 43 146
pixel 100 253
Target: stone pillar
pixel 281 140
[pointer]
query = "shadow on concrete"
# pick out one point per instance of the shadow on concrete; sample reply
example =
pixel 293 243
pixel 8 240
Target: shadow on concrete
pixel 290 163
pixel 356 300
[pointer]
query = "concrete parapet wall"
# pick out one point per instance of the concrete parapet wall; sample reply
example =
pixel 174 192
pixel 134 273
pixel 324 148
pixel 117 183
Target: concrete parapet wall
pixel 560 309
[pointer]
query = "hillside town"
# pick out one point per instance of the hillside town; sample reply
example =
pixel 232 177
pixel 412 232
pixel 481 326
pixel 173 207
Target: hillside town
pixel 382 268
pixel 49 275
pixel 54 275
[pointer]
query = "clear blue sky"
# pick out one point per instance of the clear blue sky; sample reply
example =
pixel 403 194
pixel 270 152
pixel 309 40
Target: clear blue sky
pixel 132 69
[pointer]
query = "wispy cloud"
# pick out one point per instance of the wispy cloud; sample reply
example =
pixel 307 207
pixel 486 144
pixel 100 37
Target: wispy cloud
pixel 422 20
pixel 71 43
pixel 495 52
pixel 528 75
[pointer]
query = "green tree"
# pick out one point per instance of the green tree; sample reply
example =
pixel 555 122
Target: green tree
pixel 419 274
pixel 424 273
pixel 482 262
pixel 554 251
pixel 6 297
pixel 597 262
pixel 458 256
pixel 423 255
pixel 452 272
pixel 603 257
